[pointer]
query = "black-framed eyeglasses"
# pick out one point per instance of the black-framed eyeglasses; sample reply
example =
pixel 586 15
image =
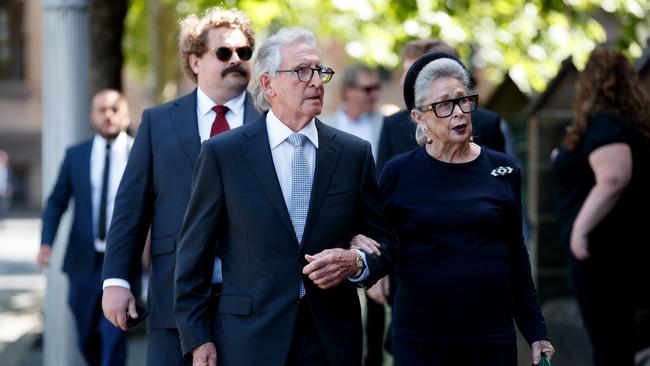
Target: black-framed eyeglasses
pixel 445 108
pixel 305 73
pixel 225 53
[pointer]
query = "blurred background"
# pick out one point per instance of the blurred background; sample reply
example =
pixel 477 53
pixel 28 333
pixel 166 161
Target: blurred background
pixel 525 55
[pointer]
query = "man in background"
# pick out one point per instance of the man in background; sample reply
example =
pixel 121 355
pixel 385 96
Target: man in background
pixel 358 114
pixel 215 50
pixel 90 173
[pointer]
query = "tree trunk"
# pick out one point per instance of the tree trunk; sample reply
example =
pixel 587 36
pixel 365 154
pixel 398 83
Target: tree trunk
pixel 106 30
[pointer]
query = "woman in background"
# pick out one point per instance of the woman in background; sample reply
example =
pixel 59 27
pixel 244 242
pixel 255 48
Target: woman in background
pixel 603 171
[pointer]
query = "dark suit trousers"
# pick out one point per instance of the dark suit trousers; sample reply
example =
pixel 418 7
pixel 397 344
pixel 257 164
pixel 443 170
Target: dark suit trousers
pixel 164 348
pixel 306 346
pixel 99 341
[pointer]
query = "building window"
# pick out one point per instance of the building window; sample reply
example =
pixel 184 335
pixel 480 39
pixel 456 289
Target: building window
pixel 12 41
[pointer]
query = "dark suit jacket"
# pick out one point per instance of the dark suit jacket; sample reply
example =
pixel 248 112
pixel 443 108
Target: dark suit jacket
pixel 237 202
pixel 398 134
pixel 153 193
pixel 73 181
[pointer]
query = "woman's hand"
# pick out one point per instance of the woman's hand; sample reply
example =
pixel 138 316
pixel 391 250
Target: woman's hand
pixel 579 245
pixel 540 347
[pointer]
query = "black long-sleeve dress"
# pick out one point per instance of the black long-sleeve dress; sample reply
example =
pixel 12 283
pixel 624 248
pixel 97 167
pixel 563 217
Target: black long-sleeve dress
pixel 463 269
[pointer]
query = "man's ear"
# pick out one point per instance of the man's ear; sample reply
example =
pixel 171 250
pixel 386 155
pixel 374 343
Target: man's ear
pixel 266 85
pixel 194 62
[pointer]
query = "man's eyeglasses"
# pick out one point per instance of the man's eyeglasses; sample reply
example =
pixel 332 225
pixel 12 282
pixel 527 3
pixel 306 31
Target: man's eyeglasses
pixel 368 89
pixel 305 73
pixel 224 53
pixel 445 108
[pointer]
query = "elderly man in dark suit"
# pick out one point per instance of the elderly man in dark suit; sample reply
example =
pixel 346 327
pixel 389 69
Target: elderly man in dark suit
pixel 90 174
pixel 280 200
pixel 216 49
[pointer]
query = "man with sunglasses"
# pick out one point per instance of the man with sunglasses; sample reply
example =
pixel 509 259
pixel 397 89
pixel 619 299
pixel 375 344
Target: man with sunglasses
pixel 358 114
pixel 216 48
pixel 282 211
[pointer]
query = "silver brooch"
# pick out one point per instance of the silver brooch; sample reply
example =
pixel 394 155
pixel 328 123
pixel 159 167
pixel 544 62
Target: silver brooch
pixel 502 170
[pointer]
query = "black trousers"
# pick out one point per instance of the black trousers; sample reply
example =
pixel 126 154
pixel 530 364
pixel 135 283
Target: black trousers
pixel 606 295
pixel 306 346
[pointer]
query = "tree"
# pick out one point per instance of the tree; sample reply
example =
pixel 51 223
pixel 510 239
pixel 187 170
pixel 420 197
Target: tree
pixel 527 39
pixel 106 23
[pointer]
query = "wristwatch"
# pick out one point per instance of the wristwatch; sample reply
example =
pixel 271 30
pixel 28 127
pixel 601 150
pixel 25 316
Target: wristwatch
pixel 361 265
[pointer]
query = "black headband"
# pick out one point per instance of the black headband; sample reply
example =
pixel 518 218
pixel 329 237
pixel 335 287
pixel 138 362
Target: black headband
pixel 414 71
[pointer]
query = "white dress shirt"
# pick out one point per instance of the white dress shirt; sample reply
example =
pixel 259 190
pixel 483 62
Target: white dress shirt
pixel 362 127
pixel 205 117
pixel 282 153
pixel 205 114
pixel 119 151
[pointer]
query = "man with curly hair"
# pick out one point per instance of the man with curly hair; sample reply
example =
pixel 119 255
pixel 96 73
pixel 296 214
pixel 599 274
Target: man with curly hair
pixel 215 49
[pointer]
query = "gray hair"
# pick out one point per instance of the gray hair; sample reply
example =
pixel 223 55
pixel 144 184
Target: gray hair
pixel 267 60
pixel 434 70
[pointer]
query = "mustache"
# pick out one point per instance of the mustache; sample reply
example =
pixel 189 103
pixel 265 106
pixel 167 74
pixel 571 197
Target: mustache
pixel 234 68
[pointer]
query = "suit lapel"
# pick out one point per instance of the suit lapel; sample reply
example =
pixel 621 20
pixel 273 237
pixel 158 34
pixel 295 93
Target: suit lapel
pixel 183 118
pixel 258 153
pixel 86 187
pixel 327 157
pixel 251 114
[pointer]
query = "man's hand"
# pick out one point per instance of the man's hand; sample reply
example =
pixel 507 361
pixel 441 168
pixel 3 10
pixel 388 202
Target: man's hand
pixel 540 347
pixel 43 257
pixel 379 291
pixel 368 245
pixel 204 355
pixel 117 302
pixel 331 266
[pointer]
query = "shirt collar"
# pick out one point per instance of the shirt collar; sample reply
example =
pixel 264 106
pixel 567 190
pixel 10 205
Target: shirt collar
pixel 278 131
pixel 117 142
pixel 205 103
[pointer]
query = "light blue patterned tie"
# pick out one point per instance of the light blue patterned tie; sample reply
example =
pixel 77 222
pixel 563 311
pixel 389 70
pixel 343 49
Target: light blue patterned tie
pixel 300 189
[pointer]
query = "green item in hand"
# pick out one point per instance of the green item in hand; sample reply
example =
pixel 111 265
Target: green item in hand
pixel 544 361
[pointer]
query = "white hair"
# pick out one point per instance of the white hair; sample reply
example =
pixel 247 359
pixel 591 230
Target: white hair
pixel 267 60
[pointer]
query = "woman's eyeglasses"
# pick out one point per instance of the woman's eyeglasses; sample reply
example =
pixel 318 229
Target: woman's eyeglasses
pixel 224 53
pixel 305 73
pixel 445 108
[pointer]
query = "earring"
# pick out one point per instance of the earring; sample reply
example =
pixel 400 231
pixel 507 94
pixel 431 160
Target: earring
pixel 429 141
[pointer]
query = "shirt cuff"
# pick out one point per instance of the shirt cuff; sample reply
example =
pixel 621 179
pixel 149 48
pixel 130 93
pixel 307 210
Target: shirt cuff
pixel 116 282
pixel 365 272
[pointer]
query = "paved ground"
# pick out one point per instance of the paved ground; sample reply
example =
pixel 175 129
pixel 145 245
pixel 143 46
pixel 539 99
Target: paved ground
pixel 22 288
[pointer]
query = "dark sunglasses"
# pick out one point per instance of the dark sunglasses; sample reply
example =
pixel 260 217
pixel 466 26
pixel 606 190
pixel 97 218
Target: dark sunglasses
pixel 224 53
pixel 369 89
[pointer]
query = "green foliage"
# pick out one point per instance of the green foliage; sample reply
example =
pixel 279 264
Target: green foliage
pixel 527 39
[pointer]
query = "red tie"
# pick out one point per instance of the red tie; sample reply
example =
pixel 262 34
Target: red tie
pixel 220 123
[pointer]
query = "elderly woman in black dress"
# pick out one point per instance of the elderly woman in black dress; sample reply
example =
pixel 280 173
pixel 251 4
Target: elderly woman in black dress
pixel 463 271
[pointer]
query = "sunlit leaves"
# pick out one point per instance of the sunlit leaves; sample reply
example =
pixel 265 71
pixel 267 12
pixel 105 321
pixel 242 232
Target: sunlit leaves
pixel 526 39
